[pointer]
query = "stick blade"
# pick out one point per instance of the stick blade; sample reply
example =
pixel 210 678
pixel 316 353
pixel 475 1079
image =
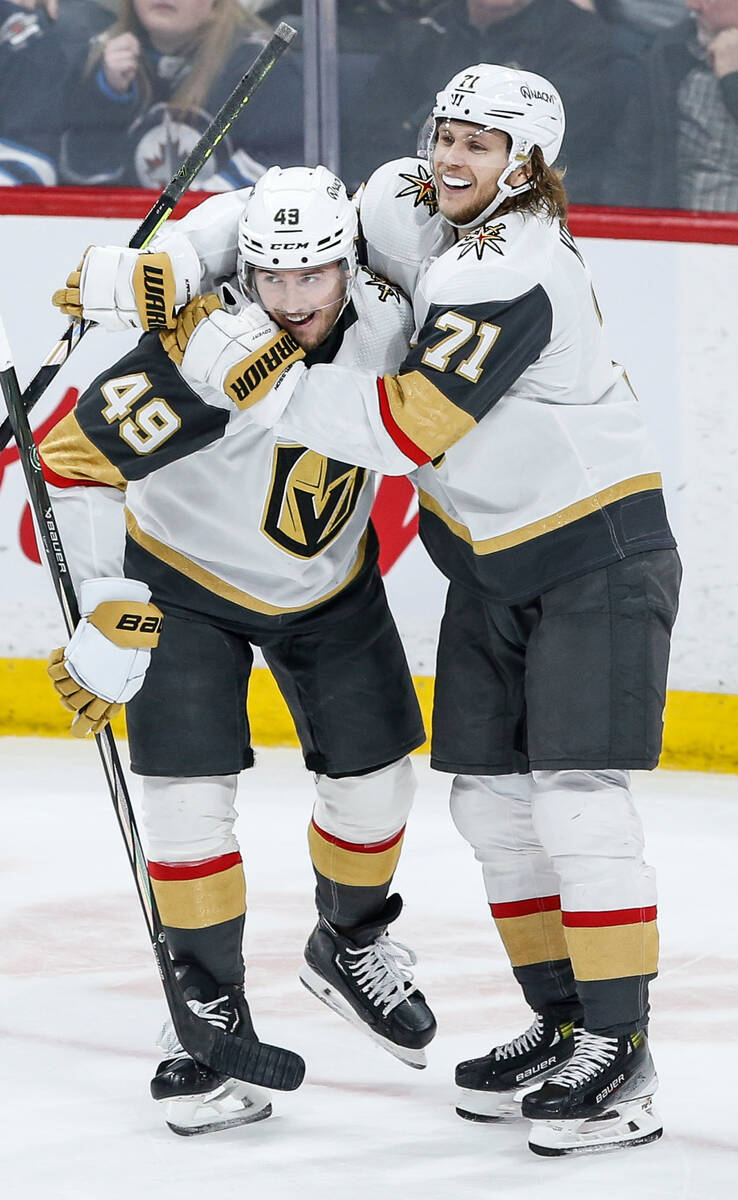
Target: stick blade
pixel 251 1061
pixel 257 1062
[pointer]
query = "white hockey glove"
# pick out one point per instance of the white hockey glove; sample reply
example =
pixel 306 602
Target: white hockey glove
pixel 109 652
pixel 244 354
pixel 131 289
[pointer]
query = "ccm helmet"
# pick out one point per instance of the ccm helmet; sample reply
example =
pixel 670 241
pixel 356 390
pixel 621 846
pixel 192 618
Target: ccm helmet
pixel 524 106
pixel 297 218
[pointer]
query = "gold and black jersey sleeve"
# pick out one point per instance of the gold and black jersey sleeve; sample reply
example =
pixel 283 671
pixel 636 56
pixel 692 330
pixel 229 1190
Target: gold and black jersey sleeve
pixel 466 358
pixel 137 416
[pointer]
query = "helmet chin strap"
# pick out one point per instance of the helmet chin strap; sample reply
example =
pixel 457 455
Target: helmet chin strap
pixel 503 193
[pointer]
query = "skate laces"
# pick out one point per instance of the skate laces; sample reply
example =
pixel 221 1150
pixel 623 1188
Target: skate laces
pixel 168 1040
pixel 591 1054
pixel 382 971
pixel 521 1045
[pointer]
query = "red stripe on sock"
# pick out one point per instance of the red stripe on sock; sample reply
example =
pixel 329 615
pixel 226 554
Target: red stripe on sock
pixel 194 870
pixel 523 908
pixel 361 847
pixel 617 916
pixel 398 435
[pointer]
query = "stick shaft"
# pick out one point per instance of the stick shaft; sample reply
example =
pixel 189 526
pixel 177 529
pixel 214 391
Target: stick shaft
pixel 252 1061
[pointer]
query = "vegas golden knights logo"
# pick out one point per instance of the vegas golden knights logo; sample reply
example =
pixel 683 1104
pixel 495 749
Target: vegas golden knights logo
pixel 310 499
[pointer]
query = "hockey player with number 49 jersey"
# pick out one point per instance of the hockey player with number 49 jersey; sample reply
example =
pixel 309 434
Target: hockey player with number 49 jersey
pixel 241 538
pixel 541 501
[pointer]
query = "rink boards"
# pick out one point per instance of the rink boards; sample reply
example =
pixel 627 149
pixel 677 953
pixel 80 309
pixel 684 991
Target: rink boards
pixel 665 285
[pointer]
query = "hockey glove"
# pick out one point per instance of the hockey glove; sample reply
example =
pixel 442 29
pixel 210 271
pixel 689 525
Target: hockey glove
pixel 107 657
pixel 128 289
pixel 244 354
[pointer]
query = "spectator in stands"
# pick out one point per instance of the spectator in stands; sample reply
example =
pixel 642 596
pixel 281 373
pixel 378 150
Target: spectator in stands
pixel 648 16
pixel 635 23
pixel 573 48
pixel 79 20
pixel 30 51
pixel 144 91
pixel 680 139
pixel 365 30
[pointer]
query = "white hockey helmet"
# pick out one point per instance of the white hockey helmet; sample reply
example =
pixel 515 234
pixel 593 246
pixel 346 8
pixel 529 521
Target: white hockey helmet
pixel 521 104
pixel 297 218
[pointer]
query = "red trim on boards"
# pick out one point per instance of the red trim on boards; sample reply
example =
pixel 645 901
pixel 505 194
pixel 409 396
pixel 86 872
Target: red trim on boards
pixel 124 203
pixel 635 224
pixel 651 225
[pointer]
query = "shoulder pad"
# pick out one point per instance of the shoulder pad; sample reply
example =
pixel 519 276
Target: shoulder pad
pixel 396 206
pixel 385 323
pixel 501 260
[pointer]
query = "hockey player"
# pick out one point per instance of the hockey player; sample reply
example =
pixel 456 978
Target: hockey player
pixel 541 501
pixel 238 538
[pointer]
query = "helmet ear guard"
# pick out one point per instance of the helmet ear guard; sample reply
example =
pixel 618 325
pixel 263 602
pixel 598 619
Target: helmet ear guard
pixel 522 105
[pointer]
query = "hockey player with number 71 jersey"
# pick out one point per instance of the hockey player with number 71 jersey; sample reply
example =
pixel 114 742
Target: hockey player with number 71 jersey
pixel 541 501
pixel 241 538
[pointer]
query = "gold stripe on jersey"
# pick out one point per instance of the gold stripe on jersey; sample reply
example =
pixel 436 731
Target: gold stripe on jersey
pixel 199 903
pixel 613 952
pixel 424 414
pixel 228 591
pixel 565 516
pixel 352 867
pixel 534 938
pixel 67 451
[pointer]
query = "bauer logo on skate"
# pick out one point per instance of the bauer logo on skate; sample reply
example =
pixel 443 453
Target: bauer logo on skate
pixel 611 1087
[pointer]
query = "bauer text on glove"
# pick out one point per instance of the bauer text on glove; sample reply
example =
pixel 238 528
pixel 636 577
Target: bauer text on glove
pixel 107 657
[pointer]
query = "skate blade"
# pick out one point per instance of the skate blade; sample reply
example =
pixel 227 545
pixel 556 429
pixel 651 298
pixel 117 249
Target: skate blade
pixel 474 1105
pixel 334 1000
pixel 619 1129
pixel 217 1110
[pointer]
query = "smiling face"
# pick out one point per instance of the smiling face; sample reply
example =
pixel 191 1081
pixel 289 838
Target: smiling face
pixel 306 303
pixel 172 24
pixel 467 163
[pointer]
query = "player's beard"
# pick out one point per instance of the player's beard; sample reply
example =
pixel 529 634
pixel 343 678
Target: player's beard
pixel 315 332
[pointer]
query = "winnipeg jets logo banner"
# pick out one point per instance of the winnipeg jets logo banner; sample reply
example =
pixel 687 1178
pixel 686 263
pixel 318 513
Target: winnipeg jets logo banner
pixel 311 498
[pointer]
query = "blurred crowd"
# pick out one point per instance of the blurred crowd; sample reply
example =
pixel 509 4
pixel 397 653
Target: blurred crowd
pixel 116 92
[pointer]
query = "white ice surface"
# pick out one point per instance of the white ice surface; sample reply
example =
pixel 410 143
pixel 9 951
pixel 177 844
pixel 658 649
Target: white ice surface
pixel 81 1006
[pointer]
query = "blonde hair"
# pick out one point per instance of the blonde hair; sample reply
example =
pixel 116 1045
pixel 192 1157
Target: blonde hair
pixel 546 194
pixel 213 45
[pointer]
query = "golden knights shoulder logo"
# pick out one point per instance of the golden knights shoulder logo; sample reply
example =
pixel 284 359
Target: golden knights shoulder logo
pixel 311 498
pixel 387 291
pixel 422 188
pixel 486 238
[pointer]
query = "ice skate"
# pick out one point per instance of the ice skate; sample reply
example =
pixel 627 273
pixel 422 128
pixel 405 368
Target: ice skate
pixel 367 979
pixel 492 1087
pixel 600 1100
pixel 197 1099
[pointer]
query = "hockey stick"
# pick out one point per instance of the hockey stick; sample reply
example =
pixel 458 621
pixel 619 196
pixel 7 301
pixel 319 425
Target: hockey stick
pixel 252 1061
pixel 164 206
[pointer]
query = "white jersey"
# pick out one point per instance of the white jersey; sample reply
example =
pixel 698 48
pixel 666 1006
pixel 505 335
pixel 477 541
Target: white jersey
pixel 524 439
pixel 223 517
